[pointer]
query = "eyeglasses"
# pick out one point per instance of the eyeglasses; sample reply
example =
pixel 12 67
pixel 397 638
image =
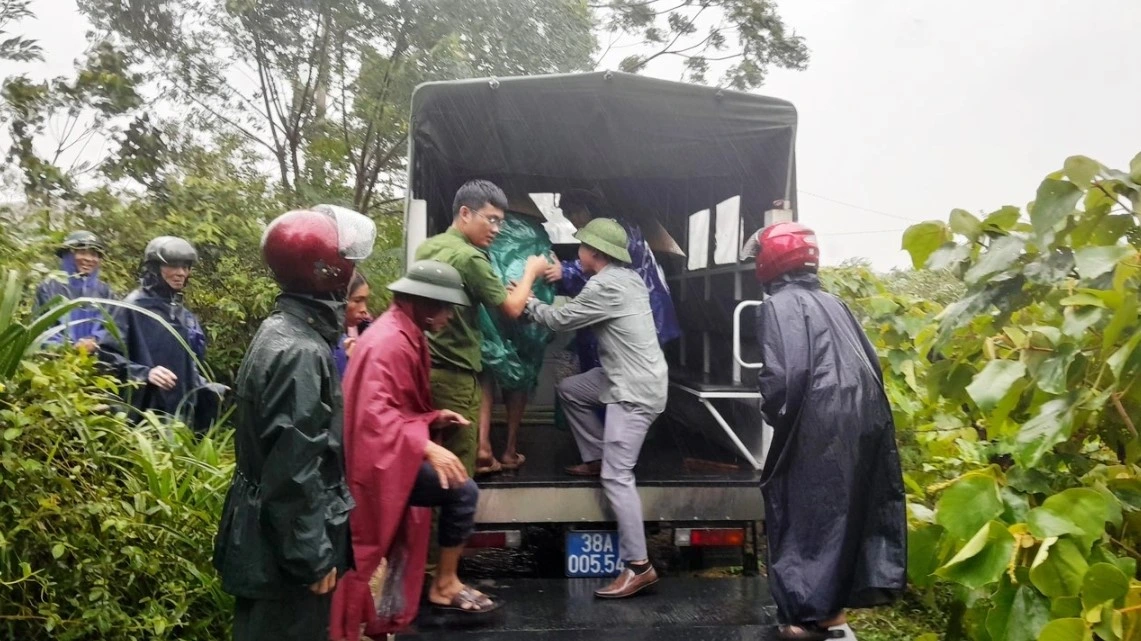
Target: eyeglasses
pixel 494 221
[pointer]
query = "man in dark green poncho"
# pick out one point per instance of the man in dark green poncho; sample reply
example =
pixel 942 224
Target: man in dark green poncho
pixel 512 351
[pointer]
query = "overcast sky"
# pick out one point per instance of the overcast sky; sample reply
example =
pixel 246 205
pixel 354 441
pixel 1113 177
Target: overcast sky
pixel 908 108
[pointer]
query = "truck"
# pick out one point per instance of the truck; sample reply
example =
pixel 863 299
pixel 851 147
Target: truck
pixel 698 169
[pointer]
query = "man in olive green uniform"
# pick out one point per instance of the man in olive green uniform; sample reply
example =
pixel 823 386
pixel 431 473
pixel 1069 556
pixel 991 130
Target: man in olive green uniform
pixel 478 211
pixel 284 537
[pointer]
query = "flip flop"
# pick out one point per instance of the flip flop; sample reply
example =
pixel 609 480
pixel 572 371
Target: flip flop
pixel 807 632
pixel 495 468
pixel 475 601
pixel 519 461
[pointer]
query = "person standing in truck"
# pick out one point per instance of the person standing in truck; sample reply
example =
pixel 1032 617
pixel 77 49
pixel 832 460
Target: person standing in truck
pixel 835 516
pixel 629 387
pixel 512 351
pixel 478 215
pixel 580 206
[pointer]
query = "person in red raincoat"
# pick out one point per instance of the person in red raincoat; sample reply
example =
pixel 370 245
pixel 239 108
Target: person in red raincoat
pixel 396 473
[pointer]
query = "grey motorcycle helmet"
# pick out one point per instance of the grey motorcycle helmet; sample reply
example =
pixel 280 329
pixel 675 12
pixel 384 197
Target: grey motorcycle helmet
pixel 170 250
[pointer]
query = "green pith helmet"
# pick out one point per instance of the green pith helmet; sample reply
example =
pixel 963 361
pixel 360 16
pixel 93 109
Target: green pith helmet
pixel 81 240
pixel 607 236
pixel 435 280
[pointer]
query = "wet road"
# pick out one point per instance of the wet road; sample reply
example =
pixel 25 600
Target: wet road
pixel 693 609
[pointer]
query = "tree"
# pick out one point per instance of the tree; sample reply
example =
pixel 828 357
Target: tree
pixel 1037 367
pixel 323 86
pixel 94 103
pixel 16 48
pixel 749 35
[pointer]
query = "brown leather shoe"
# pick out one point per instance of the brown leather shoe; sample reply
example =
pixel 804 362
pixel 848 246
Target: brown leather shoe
pixel 593 468
pixel 628 584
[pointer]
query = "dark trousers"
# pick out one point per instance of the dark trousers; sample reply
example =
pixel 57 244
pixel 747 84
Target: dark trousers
pixel 298 616
pixel 457 505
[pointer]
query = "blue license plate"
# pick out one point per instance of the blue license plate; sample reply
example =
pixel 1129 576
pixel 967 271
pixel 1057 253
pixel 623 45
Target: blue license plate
pixel 592 554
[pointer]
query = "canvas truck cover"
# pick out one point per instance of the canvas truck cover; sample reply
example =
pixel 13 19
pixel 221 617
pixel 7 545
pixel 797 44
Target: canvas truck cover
pixel 656 149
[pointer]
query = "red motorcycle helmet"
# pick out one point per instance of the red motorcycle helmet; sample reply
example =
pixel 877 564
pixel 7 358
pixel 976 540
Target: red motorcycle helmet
pixel 314 251
pixel 784 248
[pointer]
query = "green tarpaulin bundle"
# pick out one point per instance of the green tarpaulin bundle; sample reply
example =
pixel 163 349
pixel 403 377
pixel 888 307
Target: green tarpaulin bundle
pixel 513 349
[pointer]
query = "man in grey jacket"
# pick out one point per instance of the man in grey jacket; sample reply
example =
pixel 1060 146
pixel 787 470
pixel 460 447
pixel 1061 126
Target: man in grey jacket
pixel 631 383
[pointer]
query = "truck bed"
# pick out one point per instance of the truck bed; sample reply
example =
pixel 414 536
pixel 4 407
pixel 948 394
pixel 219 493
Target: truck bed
pixel 680 475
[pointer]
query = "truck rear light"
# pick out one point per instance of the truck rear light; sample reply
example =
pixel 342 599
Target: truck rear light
pixel 495 539
pixel 709 537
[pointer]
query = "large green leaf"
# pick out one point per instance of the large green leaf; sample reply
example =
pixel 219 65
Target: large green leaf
pixel 1117 360
pixel 1079 511
pixel 1029 613
pixel 949 256
pixel 1066 630
pixel 998 616
pixel 1135 168
pixel 1050 268
pixel 1051 375
pixel 965 224
pixel 1104 582
pixel 1050 426
pixel 1076 322
pixel 923 554
pixel 1123 318
pixel 1081 170
pixel 983 559
pixel 991 385
pixel 968 505
pixel 1055 201
pixel 1058 568
pixel 1092 262
pixel 1002 220
pixel 1001 254
pixel 921 240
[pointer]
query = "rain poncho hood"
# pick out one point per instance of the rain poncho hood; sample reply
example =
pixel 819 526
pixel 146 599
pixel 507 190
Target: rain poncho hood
pixel 661 303
pixel 82 322
pixel 513 350
pixel 834 500
pixel 388 411
pixel 147 344
pixel 285 523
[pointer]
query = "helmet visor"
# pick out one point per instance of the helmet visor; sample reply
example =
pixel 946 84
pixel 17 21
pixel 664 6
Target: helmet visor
pixel 356 233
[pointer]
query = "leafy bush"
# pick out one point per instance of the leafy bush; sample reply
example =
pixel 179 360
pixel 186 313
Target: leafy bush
pixel 1040 359
pixel 107 526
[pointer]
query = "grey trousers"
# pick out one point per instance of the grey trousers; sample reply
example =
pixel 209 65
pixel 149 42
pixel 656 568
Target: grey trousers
pixel 617 443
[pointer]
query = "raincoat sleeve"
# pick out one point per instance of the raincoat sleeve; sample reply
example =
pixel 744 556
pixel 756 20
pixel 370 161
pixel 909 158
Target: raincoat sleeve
pixel 113 351
pixel 573 280
pixel 593 305
pixel 296 422
pixel 783 337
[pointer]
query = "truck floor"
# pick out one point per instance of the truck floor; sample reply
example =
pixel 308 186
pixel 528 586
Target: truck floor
pixel 670 456
pixel 681 608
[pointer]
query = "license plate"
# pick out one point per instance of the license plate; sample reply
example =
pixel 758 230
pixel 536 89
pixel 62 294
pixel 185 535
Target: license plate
pixel 592 554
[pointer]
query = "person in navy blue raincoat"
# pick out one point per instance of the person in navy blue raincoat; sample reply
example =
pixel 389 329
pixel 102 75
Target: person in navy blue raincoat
pixel 146 353
pixel 579 206
pixel 80 256
pixel 835 508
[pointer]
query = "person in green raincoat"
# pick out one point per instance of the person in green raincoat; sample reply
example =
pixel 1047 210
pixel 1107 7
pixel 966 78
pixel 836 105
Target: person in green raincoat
pixel 512 350
pixel 284 536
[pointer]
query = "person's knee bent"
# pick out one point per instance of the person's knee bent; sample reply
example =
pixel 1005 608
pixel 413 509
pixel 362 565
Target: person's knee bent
pixel 457 519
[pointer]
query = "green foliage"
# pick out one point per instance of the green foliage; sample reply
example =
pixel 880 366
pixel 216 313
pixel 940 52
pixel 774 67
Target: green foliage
pixel 1040 358
pixel 16 48
pixel 108 527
